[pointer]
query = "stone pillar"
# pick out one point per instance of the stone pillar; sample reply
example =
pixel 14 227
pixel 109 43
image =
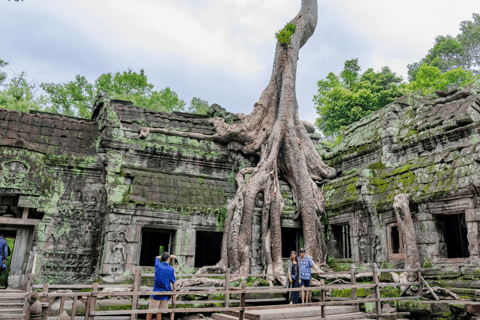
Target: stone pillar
pixel 472 233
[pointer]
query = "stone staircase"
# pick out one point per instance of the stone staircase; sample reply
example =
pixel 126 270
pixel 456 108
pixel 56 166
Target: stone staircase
pixel 12 304
pixel 304 313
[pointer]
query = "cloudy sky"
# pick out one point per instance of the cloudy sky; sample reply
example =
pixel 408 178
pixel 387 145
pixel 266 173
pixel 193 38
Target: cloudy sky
pixel 218 50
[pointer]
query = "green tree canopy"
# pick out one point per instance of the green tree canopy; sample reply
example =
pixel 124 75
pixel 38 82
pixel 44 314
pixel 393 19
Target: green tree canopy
pixel 346 98
pixel 448 53
pixel 17 93
pixel 77 98
pixel 431 78
pixel 198 106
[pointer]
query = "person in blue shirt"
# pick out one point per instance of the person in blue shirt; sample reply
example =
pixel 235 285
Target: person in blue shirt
pixel 164 275
pixel 3 252
pixel 306 265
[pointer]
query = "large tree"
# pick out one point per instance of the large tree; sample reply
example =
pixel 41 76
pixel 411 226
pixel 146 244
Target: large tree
pixel 274 132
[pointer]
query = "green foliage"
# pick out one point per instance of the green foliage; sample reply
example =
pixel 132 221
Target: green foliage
pixel 344 99
pixel 73 98
pixel 3 75
pixel 430 78
pixel 18 92
pixel 77 98
pixel 449 53
pixel 221 217
pixel 283 36
pixel 165 100
pixel 198 106
pixel 429 264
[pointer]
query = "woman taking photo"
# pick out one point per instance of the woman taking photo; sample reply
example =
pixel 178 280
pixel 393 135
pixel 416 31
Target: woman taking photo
pixel 294 276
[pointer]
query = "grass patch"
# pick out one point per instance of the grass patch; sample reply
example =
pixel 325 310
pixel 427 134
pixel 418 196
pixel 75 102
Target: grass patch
pixel 283 36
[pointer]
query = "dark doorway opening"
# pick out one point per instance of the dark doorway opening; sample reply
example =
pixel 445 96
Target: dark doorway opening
pixel 340 242
pixel 290 241
pixel 154 243
pixel 208 248
pixel 455 234
pixel 9 235
pixel 395 240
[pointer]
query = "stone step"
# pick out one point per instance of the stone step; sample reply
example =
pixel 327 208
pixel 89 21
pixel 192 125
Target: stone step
pixel 295 312
pixel 12 316
pixel 12 311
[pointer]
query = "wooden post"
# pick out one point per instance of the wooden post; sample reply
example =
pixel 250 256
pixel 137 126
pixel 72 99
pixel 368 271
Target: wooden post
pixel 74 307
pixel 353 281
pixel 44 299
pixel 174 297
pixel 378 305
pixel 227 288
pixel 420 286
pixel 323 298
pixel 136 286
pixel 243 295
pixel 62 305
pixel 28 289
pixel 91 302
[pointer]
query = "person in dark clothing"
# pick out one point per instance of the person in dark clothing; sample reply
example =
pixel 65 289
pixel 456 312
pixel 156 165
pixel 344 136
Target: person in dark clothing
pixel 294 276
pixel 164 275
pixel 3 252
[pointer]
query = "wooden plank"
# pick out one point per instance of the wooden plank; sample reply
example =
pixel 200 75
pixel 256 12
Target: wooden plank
pixel 92 302
pixel 25 213
pixel 218 309
pixel 241 315
pixel 397 270
pixel 172 315
pixel 81 286
pixel 353 281
pixel 28 290
pixel 378 305
pixel 429 289
pixel 399 298
pixel 227 288
pixel 15 221
pixel 136 286
pixel 397 284
pixel 74 307
pixel 420 287
pixel 62 305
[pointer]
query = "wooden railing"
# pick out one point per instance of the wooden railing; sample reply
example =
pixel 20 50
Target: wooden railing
pixel 89 299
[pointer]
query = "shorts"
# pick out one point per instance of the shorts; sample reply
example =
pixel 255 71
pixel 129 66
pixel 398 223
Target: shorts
pixel 157 304
pixel 305 283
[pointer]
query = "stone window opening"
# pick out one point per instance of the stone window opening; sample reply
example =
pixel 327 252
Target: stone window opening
pixel 291 241
pixel 154 243
pixel 340 242
pixel 208 248
pixel 395 242
pixel 453 228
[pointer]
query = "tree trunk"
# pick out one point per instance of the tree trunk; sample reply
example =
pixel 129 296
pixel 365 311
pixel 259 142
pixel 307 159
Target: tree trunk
pixel 274 132
pixel 406 228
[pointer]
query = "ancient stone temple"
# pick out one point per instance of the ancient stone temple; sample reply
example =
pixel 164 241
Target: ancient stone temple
pixel 88 200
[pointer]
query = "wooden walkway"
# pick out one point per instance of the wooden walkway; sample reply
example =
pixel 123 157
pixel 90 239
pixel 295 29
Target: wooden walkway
pixel 256 303
pixel 333 312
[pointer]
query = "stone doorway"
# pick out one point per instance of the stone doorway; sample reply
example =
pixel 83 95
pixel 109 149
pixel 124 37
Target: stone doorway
pixel 339 243
pixel 290 241
pixel 208 248
pixel 453 227
pixel 395 242
pixel 10 237
pixel 154 243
